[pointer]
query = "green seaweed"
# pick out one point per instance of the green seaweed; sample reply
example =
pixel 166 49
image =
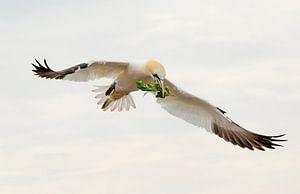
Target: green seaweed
pixel 153 88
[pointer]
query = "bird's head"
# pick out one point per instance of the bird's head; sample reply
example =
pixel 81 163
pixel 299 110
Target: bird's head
pixel 157 72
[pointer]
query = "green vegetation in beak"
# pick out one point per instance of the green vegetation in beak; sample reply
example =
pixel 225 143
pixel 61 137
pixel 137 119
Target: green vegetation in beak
pixel 156 88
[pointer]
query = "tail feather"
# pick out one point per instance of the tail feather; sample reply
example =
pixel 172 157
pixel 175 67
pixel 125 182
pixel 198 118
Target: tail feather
pixel 121 102
pixel 101 95
pixel 131 102
pixel 126 104
pixel 115 105
pixel 107 102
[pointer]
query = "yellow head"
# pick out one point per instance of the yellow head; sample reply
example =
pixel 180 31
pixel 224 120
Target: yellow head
pixel 155 69
pixel 157 72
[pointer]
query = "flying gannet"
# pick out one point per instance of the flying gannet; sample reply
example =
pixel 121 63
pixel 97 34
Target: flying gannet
pixel 180 104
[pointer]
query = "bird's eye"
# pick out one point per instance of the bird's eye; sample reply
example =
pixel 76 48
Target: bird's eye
pixel 156 76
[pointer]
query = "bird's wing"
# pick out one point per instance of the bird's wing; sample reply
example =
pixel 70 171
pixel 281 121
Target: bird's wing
pixel 83 71
pixel 202 114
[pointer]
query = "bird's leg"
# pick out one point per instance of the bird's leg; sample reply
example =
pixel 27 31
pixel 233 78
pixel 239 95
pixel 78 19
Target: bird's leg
pixel 110 89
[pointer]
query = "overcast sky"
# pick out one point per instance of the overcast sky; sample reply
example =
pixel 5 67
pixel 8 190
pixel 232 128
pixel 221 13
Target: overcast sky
pixel 242 56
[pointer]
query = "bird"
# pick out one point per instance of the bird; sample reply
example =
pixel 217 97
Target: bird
pixel 181 104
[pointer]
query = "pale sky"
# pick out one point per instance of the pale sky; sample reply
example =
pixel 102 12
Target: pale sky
pixel 242 56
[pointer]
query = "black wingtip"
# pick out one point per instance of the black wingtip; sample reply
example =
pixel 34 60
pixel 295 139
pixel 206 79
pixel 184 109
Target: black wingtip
pixel 41 67
pixel 263 141
pixel 222 111
pixel 274 138
pixel 38 63
pixel 45 62
pixel 44 71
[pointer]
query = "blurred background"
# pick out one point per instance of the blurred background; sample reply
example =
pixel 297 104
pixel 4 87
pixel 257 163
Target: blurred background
pixel 242 56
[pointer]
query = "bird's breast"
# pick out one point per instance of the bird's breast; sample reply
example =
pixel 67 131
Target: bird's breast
pixel 127 82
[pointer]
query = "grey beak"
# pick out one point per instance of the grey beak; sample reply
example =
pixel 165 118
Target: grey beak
pixel 161 84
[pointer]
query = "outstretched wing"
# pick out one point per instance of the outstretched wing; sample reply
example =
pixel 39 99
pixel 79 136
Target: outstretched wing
pixel 81 72
pixel 202 114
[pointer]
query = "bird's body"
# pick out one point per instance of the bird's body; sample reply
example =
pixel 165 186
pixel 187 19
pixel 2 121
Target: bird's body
pixel 126 81
pixel 180 104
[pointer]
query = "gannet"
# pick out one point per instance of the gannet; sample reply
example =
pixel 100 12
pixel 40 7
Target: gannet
pixel 180 103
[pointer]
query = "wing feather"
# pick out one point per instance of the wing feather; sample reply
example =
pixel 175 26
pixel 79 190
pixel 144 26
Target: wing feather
pixel 202 114
pixel 83 71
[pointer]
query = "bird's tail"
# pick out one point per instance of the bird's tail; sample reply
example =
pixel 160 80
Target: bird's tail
pixel 108 102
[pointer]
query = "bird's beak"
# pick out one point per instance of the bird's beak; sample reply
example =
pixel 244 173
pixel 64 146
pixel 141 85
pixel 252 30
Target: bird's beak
pixel 162 88
pixel 161 84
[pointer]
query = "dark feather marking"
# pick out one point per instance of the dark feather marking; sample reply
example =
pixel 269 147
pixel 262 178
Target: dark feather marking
pixel 232 140
pixel 242 142
pixel 45 62
pixel 247 142
pixel 38 62
pixel 110 89
pixel 245 138
pixel 107 103
pixel 225 136
pixel 83 65
pixel 222 111
pixel 46 72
